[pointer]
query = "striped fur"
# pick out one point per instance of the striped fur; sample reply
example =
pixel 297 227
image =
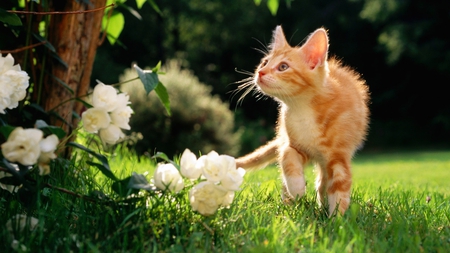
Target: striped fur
pixel 323 117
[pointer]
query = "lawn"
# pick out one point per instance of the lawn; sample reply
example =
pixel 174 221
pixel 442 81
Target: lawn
pixel 400 203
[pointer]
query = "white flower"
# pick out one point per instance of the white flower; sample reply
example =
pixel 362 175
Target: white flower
pixel 233 179
pixel 22 146
pixel 228 199
pixel 95 119
pixel 121 117
pixel 123 100
pixel 206 197
pixel 167 176
pixel 111 134
pixel 216 167
pixel 48 147
pixel 13 83
pixel 189 166
pixel 104 96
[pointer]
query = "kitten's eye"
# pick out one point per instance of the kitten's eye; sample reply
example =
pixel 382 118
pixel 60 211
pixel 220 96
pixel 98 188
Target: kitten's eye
pixel 283 67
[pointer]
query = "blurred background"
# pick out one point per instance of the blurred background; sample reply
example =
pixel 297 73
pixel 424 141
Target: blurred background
pixel 401 48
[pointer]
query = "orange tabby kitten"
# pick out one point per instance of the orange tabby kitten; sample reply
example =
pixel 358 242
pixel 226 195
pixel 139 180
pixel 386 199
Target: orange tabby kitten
pixel 323 117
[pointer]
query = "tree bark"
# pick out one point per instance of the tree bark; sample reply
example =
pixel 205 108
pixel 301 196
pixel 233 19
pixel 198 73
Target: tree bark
pixel 75 38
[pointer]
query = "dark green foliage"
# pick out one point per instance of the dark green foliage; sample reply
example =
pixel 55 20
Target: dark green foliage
pixel 199 121
pixel 399 47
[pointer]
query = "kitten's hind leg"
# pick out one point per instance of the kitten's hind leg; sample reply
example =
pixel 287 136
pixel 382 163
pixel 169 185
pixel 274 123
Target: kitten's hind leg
pixel 321 184
pixel 292 162
pixel 339 185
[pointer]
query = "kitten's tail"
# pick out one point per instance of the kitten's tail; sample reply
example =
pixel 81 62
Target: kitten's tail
pixel 259 158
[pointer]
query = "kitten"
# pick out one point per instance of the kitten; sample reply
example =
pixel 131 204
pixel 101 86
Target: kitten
pixel 323 117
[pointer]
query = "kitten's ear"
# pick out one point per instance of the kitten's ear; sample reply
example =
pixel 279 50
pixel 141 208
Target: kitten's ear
pixel 278 39
pixel 316 48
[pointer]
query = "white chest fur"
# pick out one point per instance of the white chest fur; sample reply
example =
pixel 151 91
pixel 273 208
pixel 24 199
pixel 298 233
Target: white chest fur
pixel 301 127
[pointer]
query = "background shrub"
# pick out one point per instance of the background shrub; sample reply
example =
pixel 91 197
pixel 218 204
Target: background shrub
pixel 199 121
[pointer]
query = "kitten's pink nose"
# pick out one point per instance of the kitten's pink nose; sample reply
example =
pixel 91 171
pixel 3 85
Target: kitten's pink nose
pixel 261 73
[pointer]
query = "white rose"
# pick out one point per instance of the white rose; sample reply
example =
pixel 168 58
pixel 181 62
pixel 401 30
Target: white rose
pixel 233 179
pixel 111 134
pixel 123 100
pixel 13 83
pixel 121 117
pixel 95 119
pixel 206 197
pixel 104 96
pixel 228 199
pixel 189 166
pixel 48 147
pixel 168 177
pixel 20 80
pixel 22 146
pixel 216 167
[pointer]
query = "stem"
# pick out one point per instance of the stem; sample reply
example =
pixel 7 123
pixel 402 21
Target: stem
pixel 59 12
pixel 63 190
pixel 44 60
pixel 23 48
pixel 27 39
pixel 89 93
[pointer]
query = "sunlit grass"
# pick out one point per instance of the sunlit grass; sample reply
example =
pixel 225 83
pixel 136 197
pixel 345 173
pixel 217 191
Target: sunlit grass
pixel 400 203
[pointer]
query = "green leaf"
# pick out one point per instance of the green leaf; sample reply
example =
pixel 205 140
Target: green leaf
pixel 103 167
pixel 155 7
pixel 148 78
pixel 10 19
pixel 157 67
pixel 51 48
pixel 48 130
pixel 132 11
pixel 162 156
pixel 257 2
pixel 84 103
pixel 114 26
pixel 37 108
pixel 121 187
pixel 47 44
pixel 6 130
pixel 161 91
pixel 139 3
pixel 105 170
pixel 273 6
pixel 139 182
pixel 17 174
pixel 61 82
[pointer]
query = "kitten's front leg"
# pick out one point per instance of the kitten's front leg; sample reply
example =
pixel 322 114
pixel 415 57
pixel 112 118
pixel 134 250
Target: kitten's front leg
pixel 339 185
pixel 292 162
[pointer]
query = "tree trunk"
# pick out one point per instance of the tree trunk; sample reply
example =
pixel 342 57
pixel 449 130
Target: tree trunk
pixel 75 38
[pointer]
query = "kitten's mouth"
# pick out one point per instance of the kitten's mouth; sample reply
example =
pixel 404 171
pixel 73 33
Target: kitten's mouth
pixel 265 85
pixel 261 83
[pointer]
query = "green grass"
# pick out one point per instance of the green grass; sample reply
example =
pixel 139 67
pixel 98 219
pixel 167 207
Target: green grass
pixel 389 213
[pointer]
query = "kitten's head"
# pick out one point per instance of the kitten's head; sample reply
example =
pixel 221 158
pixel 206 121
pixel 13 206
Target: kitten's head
pixel 286 71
